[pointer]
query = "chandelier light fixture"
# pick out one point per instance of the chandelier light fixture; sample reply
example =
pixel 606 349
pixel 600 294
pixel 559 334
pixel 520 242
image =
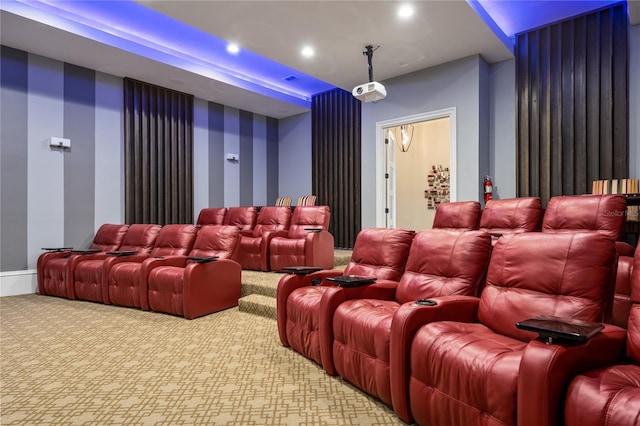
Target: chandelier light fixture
pixel 404 138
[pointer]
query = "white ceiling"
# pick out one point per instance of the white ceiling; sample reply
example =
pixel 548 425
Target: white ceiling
pixel 439 31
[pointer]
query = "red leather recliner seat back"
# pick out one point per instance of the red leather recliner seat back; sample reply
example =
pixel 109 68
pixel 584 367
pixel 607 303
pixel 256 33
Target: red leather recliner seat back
pixel 521 285
pixel 242 217
pixel 602 213
pixel 52 266
pixel 125 286
pixel 380 253
pixel 308 217
pixel 174 240
pixel 109 237
pixel 140 238
pixel 87 273
pixel 212 216
pixel 272 218
pixel 308 241
pixel 462 215
pixel 476 371
pixel 440 263
pixel 216 240
pixel 512 215
pixel 610 396
pixel 444 263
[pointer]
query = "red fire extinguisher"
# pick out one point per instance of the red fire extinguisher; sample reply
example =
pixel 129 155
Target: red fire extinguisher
pixel 488 188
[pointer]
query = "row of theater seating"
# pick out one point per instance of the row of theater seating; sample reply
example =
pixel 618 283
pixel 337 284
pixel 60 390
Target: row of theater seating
pixel 177 269
pixel 459 358
pixel 274 237
pixel 151 269
pixel 605 214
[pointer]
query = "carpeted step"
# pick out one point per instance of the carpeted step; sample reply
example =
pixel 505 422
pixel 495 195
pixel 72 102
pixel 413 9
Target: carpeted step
pixel 258 304
pixel 264 283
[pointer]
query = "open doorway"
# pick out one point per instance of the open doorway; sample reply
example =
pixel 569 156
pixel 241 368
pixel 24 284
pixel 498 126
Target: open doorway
pixel 418 165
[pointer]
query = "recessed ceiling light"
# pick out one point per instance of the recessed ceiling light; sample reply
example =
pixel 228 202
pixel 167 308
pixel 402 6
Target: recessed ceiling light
pixel 233 48
pixel 308 51
pixel 405 11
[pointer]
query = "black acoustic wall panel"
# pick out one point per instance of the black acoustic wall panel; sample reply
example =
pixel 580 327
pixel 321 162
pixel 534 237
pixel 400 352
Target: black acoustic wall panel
pixel 336 158
pixel 572 104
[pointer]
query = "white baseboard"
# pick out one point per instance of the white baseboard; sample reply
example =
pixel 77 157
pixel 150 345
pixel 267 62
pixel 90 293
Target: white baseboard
pixel 13 283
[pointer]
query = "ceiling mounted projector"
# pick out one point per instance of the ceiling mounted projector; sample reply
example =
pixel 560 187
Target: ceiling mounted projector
pixel 371 91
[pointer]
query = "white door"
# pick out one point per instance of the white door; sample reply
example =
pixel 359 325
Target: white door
pixel 390 177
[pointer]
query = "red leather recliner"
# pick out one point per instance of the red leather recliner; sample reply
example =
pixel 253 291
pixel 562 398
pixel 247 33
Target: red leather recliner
pixel 610 396
pixel 440 263
pixel 195 286
pixel 52 266
pixel 601 213
pixel 86 272
pixel 604 214
pixel 460 215
pixel 473 366
pixel 272 222
pixel 308 242
pixel 212 216
pixel 378 252
pixel 242 217
pixel 121 275
pixel 511 215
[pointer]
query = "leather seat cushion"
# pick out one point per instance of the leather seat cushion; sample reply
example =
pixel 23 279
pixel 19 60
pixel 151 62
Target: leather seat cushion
pixel 303 315
pixel 166 289
pixel 605 397
pixel 88 280
pixel 362 330
pixel 54 277
pixel 471 373
pixel 124 284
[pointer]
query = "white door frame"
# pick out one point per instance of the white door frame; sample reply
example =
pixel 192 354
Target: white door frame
pixel 380 155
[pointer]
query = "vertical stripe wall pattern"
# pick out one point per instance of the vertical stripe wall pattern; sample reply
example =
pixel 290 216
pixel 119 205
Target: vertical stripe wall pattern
pixel 252 179
pixel 49 196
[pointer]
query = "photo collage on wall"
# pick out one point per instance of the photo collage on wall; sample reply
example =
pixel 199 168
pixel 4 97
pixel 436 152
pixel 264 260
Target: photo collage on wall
pixel 438 186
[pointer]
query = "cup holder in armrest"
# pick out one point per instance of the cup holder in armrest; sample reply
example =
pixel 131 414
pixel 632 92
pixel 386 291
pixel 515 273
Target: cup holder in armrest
pixel 351 280
pixel 122 253
pixel 202 259
pixel 57 249
pixel 550 328
pixel 426 302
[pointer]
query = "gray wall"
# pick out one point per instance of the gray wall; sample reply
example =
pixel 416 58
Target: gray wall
pixel 295 156
pixel 502 122
pixel 53 198
pixel 455 84
pixel 38 184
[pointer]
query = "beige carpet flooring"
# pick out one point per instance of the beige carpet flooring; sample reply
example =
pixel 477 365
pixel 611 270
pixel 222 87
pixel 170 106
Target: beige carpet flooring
pixel 79 363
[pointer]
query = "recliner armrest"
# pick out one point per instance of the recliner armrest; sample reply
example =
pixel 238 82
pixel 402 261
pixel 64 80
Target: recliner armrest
pixel 286 286
pixel 547 369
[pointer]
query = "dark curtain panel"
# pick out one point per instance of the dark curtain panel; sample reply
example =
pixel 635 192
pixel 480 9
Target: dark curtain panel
pixel 335 128
pixel 158 144
pixel 572 104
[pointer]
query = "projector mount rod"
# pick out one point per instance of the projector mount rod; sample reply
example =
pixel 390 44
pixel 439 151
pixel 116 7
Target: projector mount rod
pixel 369 54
